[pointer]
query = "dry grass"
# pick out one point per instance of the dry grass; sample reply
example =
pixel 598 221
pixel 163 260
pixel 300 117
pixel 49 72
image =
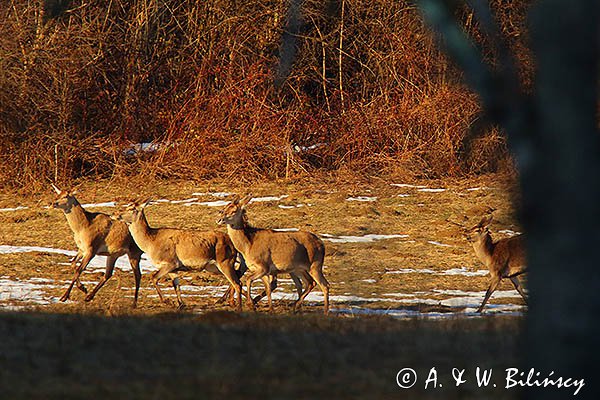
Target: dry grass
pixel 422 216
pixel 76 349
pixel 82 81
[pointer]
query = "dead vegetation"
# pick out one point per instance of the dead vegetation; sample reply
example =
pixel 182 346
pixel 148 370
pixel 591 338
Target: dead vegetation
pixel 368 93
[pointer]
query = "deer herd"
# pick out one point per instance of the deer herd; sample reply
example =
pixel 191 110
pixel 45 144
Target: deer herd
pixel 244 253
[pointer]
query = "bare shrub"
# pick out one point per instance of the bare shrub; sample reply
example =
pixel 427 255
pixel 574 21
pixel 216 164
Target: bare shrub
pixel 370 92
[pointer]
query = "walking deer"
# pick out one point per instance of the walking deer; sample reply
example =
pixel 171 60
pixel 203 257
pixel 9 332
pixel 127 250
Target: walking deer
pixel 96 234
pixel 268 253
pixel 504 258
pixel 177 250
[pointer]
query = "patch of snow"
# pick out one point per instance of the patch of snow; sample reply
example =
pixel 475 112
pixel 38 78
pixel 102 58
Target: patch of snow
pixel 29 291
pixel 407 185
pixel 453 271
pixel 509 232
pixel 268 198
pixel 141 148
pixel 285 207
pixel 190 200
pixel 412 271
pixel 286 229
pixel 213 194
pixel 432 190
pixel 369 280
pixel 97 264
pixel 216 203
pixel 107 204
pixel 439 244
pixel 13 209
pixel 5 249
pixel 362 198
pixel 497 294
pixel 465 272
pixel 299 149
pixel 359 239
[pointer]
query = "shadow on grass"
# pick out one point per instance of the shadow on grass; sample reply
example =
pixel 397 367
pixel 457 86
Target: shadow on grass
pixel 218 354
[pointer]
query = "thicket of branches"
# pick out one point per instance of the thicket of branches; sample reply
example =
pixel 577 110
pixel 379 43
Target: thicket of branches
pixel 368 90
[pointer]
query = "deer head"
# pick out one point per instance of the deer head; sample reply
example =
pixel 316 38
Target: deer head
pixel 235 212
pixel 65 199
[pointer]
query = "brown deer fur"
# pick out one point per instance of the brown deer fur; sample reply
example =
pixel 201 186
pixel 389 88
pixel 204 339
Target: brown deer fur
pixel 176 250
pixel 97 233
pixel 505 258
pixel 268 253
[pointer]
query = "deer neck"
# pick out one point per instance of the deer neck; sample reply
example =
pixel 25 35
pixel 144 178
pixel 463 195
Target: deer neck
pixel 484 249
pixel 77 217
pixel 238 233
pixel 141 232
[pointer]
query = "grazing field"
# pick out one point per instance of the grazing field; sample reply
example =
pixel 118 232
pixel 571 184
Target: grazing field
pixel 404 288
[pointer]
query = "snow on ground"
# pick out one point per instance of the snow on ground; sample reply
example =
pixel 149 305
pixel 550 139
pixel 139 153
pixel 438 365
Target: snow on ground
pixel 9 209
pixel 362 199
pixel 213 194
pixel 358 239
pixel 407 185
pixel 97 264
pixel 28 291
pixel 439 244
pixel 508 232
pixel 453 271
pixel 18 294
pixel 429 190
pixel 106 204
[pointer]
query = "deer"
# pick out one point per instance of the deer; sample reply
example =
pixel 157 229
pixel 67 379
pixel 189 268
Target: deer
pixel 175 251
pixel 504 258
pixel 269 253
pixel 96 233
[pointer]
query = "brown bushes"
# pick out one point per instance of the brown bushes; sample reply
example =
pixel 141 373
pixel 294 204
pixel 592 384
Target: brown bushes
pixel 80 82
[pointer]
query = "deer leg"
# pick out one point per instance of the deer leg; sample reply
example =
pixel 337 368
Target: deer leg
pixel 134 261
pixel 310 285
pixel 297 283
pixel 163 271
pixel 255 275
pixel 517 284
pixel 177 288
pixel 316 272
pixel 74 262
pixel 84 262
pixel 493 285
pixel 226 295
pixel 110 266
pixel 267 280
pixel 273 286
pixel 227 269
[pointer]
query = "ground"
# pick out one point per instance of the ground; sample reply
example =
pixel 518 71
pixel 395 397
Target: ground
pixel 404 287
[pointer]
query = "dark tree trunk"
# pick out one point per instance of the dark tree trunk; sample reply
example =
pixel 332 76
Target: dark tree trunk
pixel 554 137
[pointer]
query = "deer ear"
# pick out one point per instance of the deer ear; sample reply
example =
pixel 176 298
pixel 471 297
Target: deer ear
pixel 485 221
pixel 146 203
pixel 244 202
